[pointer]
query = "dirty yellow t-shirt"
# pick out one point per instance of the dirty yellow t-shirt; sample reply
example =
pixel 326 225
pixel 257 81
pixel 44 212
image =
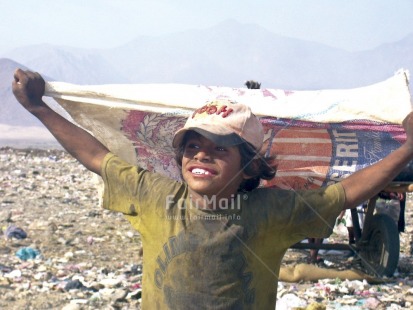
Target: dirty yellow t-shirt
pixel 227 259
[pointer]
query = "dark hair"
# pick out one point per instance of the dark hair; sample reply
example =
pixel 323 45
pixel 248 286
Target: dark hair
pixel 251 84
pixel 255 165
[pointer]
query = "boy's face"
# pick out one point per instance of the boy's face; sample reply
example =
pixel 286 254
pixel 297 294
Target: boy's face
pixel 209 169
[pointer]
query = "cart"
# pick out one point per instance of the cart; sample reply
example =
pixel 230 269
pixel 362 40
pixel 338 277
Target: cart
pixel 378 243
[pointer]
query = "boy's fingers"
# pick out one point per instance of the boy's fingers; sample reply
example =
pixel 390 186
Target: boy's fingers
pixel 407 120
pixel 16 75
pixel 19 75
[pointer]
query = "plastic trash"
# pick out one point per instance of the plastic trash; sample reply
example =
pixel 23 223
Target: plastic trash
pixel 74 285
pixel 15 232
pixel 290 301
pixel 27 253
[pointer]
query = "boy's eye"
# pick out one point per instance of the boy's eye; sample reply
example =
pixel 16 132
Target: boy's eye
pixel 221 148
pixel 192 145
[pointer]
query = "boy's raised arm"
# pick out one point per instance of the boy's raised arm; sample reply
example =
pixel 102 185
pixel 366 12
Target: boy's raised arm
pixel 28 88
pixel 365 183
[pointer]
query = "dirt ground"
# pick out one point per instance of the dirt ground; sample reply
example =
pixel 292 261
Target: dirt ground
pixel 54 200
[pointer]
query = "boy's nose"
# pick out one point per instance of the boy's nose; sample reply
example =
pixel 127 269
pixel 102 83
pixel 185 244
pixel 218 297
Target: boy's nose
pixel 202 155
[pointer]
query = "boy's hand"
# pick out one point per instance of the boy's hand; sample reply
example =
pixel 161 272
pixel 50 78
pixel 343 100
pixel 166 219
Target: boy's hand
pixel 408 127
pixel 28 88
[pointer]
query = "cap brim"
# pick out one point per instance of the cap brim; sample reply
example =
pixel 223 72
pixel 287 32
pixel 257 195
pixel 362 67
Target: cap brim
pixel 222 140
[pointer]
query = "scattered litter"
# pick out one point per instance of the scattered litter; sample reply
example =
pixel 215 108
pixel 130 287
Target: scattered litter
pixel 15 232
pixel 27 253
pixel 74 285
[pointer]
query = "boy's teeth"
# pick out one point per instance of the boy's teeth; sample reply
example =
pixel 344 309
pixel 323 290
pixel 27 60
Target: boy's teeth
pixel 200 171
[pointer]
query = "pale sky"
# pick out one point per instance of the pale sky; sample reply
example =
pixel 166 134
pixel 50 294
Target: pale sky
pixel 350 24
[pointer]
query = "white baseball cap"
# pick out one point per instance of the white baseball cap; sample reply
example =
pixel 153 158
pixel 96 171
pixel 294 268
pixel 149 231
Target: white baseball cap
pixel 224 122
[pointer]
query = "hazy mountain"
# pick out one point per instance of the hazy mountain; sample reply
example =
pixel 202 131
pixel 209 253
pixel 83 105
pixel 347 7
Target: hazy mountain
pixel 379 63
pixel 227 54
pixel 71 65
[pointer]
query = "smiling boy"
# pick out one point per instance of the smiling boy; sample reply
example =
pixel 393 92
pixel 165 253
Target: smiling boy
pixel 215 240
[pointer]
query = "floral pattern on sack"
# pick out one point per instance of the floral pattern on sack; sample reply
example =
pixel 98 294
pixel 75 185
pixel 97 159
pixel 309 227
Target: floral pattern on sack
pixel 151 135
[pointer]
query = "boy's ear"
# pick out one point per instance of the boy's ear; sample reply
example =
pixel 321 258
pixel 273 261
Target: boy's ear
pixel 246 176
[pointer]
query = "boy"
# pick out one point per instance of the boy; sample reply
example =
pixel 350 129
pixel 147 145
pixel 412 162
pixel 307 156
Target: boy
pixel 214 241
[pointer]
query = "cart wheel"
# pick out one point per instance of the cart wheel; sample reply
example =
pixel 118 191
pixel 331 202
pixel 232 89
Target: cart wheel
pixel 380 255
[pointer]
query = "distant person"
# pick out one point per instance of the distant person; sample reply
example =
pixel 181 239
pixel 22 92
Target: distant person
pixel 347 218
pixel 214 240
pixel 393 204
pixel 401 223
pixel 314 258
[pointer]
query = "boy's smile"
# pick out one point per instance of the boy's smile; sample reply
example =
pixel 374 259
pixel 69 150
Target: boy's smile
pixel 211 170
pixel 202 171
